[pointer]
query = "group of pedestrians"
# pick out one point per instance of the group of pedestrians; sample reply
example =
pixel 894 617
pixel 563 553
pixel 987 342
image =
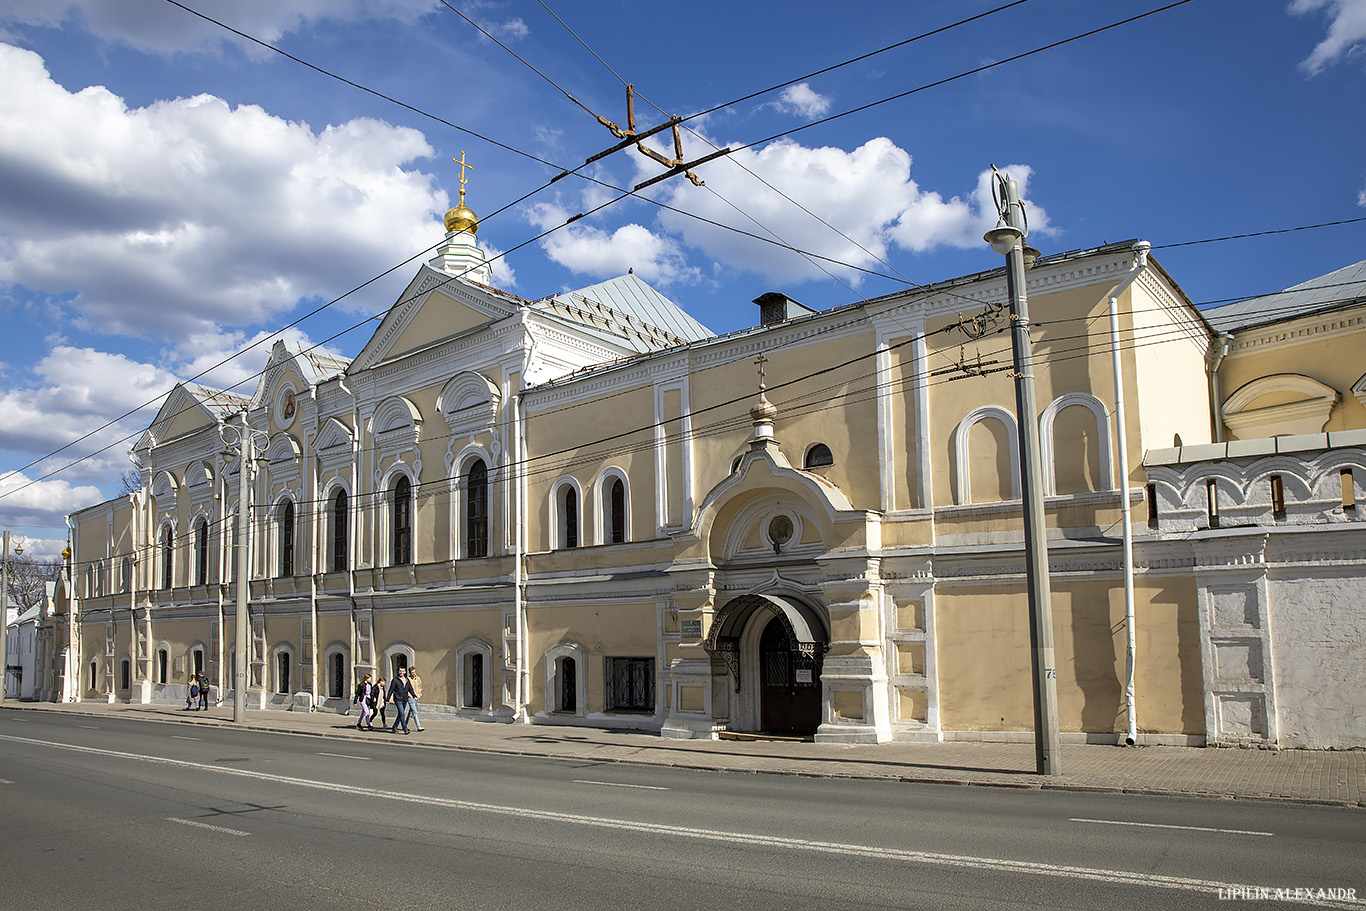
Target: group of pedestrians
pixel 198 697
pixel 402 693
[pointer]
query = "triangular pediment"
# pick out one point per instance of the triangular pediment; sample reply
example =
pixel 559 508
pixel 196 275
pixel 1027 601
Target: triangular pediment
pixel 184 412
pixel 434 307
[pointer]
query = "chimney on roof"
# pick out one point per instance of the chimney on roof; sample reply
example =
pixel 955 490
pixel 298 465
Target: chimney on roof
pixel 776 307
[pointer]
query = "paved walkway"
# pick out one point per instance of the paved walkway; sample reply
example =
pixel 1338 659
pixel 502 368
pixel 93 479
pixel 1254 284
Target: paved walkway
pixel 1336 777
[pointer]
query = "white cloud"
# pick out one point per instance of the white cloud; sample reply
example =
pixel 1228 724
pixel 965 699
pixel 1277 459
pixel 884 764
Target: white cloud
pixel 1346 31
pixel 803 100
pixel 41 504
pixel 867 194
pixel 188 213
pixel 593 251
pixel 154 25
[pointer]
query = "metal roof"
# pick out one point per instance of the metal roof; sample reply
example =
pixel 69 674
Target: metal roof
pixel 626 308
pixel 1344 288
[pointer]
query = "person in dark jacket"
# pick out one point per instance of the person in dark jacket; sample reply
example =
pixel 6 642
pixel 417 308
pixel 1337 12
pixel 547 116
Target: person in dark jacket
pixel 203 691
pixel 399 693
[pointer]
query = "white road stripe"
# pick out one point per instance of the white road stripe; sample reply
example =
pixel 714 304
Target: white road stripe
pixel 205 825
pixel 5 781
pixel 961 861
pixel 344 756
pixel 89 727
pixel 617 784
pixel 178 737
pixel 1158 825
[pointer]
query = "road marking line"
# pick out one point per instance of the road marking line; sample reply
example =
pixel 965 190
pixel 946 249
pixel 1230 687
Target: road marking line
pixel 5 781
pixel 205 825
pixel 89 727
pixel 178 737
pixel 776 842
pixel 1158 825
pixel 617 784
pixel 344 756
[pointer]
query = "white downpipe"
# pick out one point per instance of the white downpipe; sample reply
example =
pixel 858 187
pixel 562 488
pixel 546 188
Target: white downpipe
pixel 518 606
pixel 1141 249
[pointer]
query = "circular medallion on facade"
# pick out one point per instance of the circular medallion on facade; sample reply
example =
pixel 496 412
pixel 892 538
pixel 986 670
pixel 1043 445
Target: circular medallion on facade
pixel 779 531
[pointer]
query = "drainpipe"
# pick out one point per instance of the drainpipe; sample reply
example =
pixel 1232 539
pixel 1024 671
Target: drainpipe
pixel 521 696
pixel 353 531
pixel 1218 350
pixel 315 528
pixel 1141 249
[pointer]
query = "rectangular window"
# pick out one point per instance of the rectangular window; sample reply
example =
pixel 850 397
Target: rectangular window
pixel 1277 497
pixel 630 685
pixel 1212 503
pixel 474 681
pixel 1349 491
pixel 1152 505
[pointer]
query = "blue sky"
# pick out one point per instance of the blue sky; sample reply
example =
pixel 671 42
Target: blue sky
pixel 170 192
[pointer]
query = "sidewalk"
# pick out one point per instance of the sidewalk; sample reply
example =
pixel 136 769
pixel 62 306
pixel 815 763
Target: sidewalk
pixel 1323 777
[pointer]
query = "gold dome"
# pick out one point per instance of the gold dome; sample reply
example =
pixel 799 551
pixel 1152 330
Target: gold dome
pixel 461 218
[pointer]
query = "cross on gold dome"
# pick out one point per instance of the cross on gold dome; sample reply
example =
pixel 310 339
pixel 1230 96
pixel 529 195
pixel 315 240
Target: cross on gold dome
pixel 760 361
pixel 460 217
pixel 463 165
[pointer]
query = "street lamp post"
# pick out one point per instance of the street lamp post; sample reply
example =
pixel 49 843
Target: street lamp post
pixel 1008 239
pixel 245 440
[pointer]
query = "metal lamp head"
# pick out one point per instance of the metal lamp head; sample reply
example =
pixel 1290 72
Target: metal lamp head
pixel 1003 237
pixel 1030 256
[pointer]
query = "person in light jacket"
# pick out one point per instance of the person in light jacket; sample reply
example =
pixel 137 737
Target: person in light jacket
pixel 365 699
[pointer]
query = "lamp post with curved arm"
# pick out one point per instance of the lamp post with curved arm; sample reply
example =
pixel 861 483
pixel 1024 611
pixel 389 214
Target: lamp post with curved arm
pixel 245 441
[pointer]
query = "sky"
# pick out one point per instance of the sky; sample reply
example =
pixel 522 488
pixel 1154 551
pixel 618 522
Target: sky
pixel 174 190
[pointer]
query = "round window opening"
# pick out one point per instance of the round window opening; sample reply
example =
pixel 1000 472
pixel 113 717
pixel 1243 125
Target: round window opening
pixel 779 531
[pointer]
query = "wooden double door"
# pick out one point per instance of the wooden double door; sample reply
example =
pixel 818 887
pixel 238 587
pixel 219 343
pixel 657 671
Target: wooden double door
pixel 789 684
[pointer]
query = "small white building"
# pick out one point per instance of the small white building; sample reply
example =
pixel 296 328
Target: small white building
pixel 21 634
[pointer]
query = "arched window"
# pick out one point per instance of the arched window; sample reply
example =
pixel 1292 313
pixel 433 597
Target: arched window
pixel 336 675
pixel 283 663
pixel 819 456
pixel 569 685
pixel 477 510
pixel 167 557
pixel 125 674
pixel 99 578
pixel 284 532
pixel 401 515
pixel 616 512
pixel 566 516
pixel 126 575
pixel 341 532
pixel 201 552
pixel 163 666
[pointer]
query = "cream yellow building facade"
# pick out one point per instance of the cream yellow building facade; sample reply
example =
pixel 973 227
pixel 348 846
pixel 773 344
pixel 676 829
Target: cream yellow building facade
pixel 588 509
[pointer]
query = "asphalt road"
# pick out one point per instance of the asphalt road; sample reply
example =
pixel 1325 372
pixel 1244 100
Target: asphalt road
pixel 115 813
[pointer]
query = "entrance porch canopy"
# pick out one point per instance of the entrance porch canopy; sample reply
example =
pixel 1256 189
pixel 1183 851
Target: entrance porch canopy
pixel 805 628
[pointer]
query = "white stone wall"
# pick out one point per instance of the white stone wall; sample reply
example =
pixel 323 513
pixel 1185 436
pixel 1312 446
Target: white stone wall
pixel 1282 594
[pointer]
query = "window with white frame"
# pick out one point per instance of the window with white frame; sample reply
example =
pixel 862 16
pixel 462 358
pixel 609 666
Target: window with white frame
pixel 284 538
pixel 340 516
pixel 281 671
pixel 566 518
pixel 613 507
pixel 167 556
pixel 476 484
pixel 162 669
pixel 201 551
pixel 126 574
pixel 401 521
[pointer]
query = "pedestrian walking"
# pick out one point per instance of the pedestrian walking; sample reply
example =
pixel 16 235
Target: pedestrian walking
pixel 203 691
pixel 193 696
pixel 381 700
pixel 364 698
pixel 415 685
pixel 399 693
